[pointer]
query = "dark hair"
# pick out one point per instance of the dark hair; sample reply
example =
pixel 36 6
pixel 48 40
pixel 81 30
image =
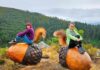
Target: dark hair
pixel 29 24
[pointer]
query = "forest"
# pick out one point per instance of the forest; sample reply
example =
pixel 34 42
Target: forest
pixel 13 20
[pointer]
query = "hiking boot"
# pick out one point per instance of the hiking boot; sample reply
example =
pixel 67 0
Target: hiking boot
pixel 81 50
pixel 12 42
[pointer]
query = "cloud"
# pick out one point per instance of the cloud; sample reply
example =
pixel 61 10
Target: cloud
pixel 58 8
pixel 48 4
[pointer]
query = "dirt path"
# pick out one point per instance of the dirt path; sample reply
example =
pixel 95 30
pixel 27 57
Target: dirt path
pixel 45 64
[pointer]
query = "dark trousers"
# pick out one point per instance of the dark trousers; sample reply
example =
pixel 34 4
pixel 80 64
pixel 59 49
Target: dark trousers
pixel 73 43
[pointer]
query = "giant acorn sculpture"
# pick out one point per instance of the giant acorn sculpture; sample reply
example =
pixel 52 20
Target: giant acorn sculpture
pixel 27 54
pixel 71 58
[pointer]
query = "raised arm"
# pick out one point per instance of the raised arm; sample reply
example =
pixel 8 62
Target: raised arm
pixel 23 33
pixel 70 36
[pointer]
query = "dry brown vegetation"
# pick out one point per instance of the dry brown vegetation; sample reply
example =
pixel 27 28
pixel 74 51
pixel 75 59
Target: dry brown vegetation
pixel 52 63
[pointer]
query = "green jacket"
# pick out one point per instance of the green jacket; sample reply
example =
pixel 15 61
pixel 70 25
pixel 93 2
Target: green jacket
pixel 70 35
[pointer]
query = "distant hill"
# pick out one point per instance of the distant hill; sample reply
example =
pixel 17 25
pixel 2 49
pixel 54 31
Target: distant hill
pixel 13 21
pixel 83 15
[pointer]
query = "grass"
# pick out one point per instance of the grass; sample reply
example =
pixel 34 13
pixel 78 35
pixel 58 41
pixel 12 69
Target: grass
pixel 3 51
pixel 52 51
pixel 2 55
pixel 91 50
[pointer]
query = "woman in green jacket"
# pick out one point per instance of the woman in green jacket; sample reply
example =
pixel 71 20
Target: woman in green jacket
pixel 74 39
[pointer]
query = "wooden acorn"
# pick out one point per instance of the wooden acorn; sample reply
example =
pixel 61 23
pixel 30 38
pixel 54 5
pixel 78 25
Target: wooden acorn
pixel 71 58
pixel 24 54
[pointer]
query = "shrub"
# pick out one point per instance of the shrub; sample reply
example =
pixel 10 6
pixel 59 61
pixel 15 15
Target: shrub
pixel 90 49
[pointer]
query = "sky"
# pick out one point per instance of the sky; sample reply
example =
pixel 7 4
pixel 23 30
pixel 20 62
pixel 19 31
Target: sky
pixel 43 5
pixel 49 4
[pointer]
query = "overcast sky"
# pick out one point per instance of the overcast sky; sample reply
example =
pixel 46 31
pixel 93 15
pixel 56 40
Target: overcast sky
pixel 50 7
pixel 34 5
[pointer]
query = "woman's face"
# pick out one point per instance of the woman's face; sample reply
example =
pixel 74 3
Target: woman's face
pixel 28 27
pixel 71 26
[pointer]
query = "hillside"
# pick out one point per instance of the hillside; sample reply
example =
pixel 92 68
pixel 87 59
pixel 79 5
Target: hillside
pixel 13 21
